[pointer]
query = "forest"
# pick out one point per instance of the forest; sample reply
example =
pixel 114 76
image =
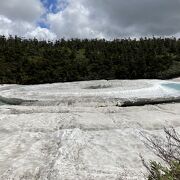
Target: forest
pixel 29 61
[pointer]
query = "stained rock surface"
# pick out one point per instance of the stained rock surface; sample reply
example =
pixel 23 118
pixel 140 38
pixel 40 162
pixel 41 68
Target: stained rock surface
pixel 79 130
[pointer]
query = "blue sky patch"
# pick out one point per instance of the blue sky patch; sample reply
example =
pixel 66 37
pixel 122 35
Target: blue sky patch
pixel 54 6
pixel 50 5
pixel 43 24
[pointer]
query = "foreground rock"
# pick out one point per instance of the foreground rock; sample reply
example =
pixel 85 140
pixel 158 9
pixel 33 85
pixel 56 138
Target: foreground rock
pixel 76 131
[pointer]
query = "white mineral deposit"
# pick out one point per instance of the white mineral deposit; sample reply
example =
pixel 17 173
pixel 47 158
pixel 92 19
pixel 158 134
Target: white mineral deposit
pixel 80 131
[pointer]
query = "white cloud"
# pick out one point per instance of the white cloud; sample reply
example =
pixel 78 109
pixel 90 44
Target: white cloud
pixel 26 10
pixel 41 34
pixel 19 17
pixel 24 29
pixel 62 4
pixel 117 18
pixel 91 18
pixel 74 21
pixel 9 27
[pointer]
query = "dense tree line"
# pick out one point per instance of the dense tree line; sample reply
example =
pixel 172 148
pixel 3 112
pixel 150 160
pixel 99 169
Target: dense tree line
pixel 29 61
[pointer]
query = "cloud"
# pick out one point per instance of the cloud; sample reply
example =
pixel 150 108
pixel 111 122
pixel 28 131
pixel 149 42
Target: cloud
pixel 49 19
pixel 25 10
pixel 74 21
pixel 41 34
pixel 9 27
pixel 24 29
pixel 117 18
pixel 19 17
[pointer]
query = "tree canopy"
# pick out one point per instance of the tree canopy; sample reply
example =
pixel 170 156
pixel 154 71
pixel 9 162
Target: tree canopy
pixel 29 61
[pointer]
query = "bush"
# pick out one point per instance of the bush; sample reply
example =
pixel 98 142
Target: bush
pixel 168 150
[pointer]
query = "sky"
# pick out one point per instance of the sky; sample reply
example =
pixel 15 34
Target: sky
pixel 109 19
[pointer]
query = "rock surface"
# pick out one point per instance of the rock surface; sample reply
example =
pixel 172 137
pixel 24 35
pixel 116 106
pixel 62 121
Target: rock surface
pixel 76 130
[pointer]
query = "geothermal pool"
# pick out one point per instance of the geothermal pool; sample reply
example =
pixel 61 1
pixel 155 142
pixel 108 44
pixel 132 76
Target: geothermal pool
pixel 79 130
pixel 175 86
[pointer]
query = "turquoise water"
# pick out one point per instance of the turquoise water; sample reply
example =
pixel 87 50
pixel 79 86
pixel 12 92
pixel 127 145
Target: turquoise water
pixel 175 86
